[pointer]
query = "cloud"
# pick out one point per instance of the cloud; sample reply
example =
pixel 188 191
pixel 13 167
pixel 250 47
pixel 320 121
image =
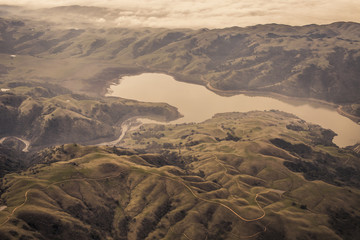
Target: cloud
pixel 215 13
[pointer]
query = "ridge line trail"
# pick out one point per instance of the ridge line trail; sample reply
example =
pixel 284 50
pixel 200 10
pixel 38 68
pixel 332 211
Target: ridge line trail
pixel 148 172
pixel 256 196
pixel 26 142
pixel 54 183
pixel 207 200
pixel 218 203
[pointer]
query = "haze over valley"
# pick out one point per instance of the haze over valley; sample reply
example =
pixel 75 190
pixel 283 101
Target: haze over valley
pixel 179 119
pixel 188 14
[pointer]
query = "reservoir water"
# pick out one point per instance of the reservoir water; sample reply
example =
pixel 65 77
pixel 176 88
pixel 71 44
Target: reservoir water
pixel 197 104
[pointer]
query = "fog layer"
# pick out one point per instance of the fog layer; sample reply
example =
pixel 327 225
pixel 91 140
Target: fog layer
pixel 214 13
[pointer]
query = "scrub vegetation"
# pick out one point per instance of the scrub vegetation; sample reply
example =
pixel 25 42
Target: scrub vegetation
pixel 191 181
pixel 313 61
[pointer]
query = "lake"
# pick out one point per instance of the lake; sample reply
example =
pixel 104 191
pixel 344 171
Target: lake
pixel 197 103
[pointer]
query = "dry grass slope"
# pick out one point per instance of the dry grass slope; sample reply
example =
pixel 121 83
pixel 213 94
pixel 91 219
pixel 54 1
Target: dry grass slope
pixel 225 178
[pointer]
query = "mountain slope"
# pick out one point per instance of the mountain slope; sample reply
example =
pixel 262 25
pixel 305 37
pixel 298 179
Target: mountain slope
pixel 230 177
pixel 48 115
pixel 317 61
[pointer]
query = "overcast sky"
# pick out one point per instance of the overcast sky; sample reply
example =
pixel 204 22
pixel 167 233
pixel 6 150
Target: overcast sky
pixel 217 13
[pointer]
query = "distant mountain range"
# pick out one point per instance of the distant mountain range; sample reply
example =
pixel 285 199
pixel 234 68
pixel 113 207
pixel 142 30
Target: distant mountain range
pixel 256 175
pixel 314 61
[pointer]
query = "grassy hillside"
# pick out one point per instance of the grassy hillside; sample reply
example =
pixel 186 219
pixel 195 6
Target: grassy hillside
pixel 316 61
pixel 48 115
pixel 256 175
pixel 259 175
pixel 11 160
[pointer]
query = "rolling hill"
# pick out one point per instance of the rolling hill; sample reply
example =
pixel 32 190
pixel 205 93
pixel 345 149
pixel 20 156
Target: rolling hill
pixel 257 175
pixel 47 115
pixel 314 61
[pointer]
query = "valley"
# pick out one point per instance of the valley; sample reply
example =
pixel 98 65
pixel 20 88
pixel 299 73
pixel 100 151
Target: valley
pixel 197 104
pixel 47 115
pixel 116 132
pixel 226 178
pixel 313 61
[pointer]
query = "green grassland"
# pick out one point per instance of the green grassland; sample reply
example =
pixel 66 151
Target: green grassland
pixel 235 176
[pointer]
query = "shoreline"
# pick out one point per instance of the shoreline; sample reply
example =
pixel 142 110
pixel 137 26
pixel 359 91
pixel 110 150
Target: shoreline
pixel 339 108
pixel 269 94
pixel 131 124
pixel 207 85
pixel 220 92
pixel 348 115
pixel 125 127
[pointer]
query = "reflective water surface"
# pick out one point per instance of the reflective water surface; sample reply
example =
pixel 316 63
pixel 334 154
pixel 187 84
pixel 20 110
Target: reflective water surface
pixel 197 103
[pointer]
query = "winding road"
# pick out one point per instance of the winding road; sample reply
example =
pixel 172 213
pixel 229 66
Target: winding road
pixel 129 124
pixel 221 204
pixel 163 175
pixel 26 142
pixel 59 182
pixel 124 128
